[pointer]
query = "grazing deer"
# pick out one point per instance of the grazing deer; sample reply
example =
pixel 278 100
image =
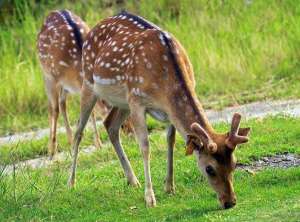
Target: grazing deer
pixel 139 69
pixel 60 47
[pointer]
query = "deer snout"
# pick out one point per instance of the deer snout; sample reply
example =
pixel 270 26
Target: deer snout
pixel 228 203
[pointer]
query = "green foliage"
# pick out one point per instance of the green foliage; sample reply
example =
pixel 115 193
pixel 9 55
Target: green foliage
pixel 241 50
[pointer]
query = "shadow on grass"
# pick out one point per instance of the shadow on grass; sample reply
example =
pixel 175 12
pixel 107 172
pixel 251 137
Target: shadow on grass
pixel 192 213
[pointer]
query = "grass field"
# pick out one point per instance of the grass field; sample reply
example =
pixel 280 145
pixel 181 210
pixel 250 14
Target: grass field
pixel 101 193
pixel 241 50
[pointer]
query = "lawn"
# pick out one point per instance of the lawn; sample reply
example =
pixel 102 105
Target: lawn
pixel 102 194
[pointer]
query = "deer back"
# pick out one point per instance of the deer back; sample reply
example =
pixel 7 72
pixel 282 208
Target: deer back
pixel 60 47
pixel 129 53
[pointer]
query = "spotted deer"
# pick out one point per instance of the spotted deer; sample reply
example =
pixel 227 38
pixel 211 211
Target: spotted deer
pixel 60 46
pixel 141 69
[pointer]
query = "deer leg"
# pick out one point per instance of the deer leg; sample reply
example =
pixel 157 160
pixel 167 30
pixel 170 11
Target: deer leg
pixel 97 140
pixel 87 103
pixel 141 132
pixel 112 124
pixel 102 108
pixel 63 110
pixel 53 115
pixel 169 183
pixel 127 126
pixel 53 107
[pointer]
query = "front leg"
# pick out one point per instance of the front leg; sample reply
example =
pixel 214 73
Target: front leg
pixel 169 183
pixel 87 103
pixel 141 132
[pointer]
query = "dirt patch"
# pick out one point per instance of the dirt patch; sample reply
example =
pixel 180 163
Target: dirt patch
pixel 42 162
pixel 284 160
pixel 252 110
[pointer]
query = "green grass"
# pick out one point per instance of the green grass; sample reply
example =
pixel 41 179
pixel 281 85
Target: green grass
pixel 270 136
pixel 102 194
pixel 249 48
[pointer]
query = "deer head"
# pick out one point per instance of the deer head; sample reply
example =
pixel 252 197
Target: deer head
pixel 215 157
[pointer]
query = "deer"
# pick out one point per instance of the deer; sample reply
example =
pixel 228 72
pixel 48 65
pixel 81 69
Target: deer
pixel 141 69
pixel 59 44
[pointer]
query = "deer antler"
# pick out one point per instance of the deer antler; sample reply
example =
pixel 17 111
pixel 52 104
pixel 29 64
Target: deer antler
pixel 234 139
pixel 204 137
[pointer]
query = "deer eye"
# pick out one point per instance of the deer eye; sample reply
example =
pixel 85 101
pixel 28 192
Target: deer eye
pixel 210 171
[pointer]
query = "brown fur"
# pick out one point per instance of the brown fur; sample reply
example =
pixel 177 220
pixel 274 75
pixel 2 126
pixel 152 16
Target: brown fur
pixel 60 58
pixel 142 70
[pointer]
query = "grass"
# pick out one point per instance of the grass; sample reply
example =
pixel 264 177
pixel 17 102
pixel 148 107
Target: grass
pixel 269 136
pixel 248 46
pixel 101 193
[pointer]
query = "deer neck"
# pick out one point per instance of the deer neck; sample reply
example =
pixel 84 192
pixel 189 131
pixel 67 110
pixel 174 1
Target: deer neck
pixel 186 109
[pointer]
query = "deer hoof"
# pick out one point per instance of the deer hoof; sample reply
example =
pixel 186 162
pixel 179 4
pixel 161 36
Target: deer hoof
pixel 51 156
pixel 150 198
pixel 170 188
pixel 134 182
pixel 71 183
pixel 52 149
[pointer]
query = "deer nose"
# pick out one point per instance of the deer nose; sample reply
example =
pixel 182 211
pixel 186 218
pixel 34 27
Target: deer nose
pixel 228 205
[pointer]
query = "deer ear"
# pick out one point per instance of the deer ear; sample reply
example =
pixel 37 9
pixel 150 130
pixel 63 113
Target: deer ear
pixel 244 131
pixel 191 145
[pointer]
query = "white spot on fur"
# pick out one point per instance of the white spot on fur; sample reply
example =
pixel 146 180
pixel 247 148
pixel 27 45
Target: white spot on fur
pixel 62 63
pixel 104 81
pixel 149 65
pixel 127 61
pixel 138 92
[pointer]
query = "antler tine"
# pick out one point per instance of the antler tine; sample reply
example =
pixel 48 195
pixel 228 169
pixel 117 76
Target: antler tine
pixel 235 124
pixel 205 138
pixel 235 139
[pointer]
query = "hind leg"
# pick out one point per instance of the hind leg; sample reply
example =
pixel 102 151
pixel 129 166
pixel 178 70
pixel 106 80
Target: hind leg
pixel 63 109
pixel 112 124
pixel 97 140
pixel 52 91
pixel 127 126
